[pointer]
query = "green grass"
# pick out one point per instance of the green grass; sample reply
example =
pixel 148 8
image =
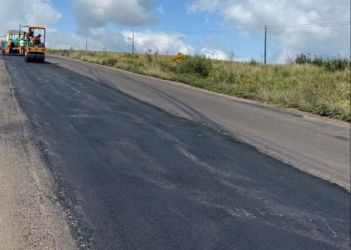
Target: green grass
pixel 305 87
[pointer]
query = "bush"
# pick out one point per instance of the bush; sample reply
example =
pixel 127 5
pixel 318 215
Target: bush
pixel 318 61
pixel 149 58
pixel 303 59
pixel 324 110
pixel 109 61
pixel 336 64
pixel 197 65
pixel 253 62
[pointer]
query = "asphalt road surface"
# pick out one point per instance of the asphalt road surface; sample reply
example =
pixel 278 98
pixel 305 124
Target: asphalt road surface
pixel 132 176
pixel 318 147
pixel 30 218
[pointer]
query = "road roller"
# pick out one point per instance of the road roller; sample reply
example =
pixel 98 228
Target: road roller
pixel 35 45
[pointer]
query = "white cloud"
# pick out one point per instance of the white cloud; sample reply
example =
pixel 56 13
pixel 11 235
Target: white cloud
pixel 147 41
pixel 250 16
pixel 102 38
pixel 57 40
pixel 93 13
pixel 161 42
pixel 213 54
pixel 98 39
pixel 238 12
pixel 14 13
pixel 203 5
pixel 168 43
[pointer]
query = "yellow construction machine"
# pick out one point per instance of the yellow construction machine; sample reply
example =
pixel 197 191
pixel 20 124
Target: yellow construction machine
pixel 34 48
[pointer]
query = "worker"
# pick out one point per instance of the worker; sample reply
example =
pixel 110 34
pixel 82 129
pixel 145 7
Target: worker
pixel 29 34
pixel 37 39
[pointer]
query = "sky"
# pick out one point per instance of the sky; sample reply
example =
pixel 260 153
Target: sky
pixel 221 29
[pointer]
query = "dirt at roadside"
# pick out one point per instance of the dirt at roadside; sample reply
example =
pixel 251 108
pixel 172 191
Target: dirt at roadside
pixel 30 218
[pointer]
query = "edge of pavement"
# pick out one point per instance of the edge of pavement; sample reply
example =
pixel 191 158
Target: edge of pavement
pixel 292 111
pixel 31 216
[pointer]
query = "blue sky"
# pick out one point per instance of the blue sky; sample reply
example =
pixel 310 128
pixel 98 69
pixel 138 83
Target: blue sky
pixel 194 27
pixel 67 22
pixel 170 26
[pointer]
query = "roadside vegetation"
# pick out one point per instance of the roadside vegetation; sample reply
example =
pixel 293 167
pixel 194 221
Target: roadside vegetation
pixel 317 85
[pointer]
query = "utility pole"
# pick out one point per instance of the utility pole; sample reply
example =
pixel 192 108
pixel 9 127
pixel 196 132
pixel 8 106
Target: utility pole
pixel 265 44
pixel 133 44
pixel 86 41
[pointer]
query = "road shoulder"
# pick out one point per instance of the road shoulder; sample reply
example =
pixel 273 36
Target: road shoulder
pixel 30 216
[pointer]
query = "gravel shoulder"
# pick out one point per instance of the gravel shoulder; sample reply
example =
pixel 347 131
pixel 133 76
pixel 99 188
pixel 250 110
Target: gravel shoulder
pixel 30 216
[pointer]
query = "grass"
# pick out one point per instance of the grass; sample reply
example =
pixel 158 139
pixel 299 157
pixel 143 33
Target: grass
pixel 305 87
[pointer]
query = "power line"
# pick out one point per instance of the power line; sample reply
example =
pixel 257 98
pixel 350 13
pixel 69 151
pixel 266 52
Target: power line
pixel 309 27
pixel 133 44
pixel 271 27
pixel 86 40
pixel 325 24
pixel 265 44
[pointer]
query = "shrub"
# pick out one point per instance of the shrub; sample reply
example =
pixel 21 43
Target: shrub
pixel 197 65
pixel 168 66
pixel 318 61
pixel 130 55
pixel 253 62
pixel 324 110
pixel 337 64
pixel 149 58
pixel 302 59
pixel 109 61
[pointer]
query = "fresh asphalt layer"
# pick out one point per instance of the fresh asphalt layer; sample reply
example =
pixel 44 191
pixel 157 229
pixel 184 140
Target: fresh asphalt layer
pixel 319 147
pixel 132 176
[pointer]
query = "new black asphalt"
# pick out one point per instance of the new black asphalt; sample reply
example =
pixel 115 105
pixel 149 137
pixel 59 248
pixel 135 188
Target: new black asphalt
pixel 131 176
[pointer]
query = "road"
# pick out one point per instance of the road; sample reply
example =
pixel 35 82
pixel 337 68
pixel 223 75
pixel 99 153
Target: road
pixel 29 215
pixel 132 176
pixel 318 147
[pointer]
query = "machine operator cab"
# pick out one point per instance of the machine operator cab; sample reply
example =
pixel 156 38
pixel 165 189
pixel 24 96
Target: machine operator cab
pixel 35 46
